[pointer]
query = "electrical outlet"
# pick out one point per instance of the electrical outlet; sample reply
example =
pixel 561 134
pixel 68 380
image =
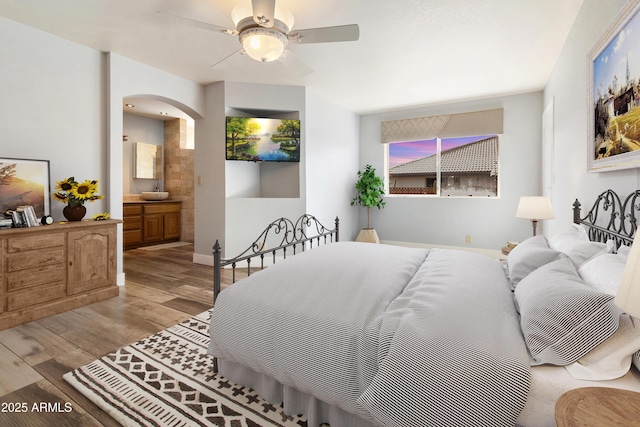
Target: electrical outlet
pixel 468 238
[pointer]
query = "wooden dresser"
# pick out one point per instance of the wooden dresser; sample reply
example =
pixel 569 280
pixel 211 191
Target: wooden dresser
pixel 54 268
pixel 150 223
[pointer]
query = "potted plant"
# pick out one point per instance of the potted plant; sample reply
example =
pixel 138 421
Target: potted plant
pixel 369 193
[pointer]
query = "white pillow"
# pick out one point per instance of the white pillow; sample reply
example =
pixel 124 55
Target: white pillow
pixel 529 256
pixel 567 238
pixel 562 319
pixel 603 272
pixel 624 250
pixel 612 358
pixel 574 242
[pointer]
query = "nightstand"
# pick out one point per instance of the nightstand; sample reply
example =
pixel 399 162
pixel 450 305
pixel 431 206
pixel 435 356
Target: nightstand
pixel 598 406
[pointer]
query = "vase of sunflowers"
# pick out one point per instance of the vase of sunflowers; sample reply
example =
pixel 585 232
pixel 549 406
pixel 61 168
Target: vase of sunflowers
pixel 74 194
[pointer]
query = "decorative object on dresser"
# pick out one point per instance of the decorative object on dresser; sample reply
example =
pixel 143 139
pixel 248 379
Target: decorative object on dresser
pixel 370 194
pixel 48 270
pixel 535 208
pixel 74 194
pixel 151 222
pixel 24 182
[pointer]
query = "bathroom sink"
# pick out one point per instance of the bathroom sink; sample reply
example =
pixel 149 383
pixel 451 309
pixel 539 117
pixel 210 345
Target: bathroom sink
pixel 154 195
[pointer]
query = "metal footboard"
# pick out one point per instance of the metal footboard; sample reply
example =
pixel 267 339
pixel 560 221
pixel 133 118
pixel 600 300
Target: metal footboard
pixel 280 238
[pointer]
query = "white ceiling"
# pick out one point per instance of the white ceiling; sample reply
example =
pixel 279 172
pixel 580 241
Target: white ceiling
pixel 410 52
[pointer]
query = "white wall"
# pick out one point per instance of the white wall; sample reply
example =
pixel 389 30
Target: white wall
pixel 145 130
pixel 568 88
pixel 128 78
pixel 332 155
pixel 491 222
pixel 329 154
pixel 245 218
pixel 52 107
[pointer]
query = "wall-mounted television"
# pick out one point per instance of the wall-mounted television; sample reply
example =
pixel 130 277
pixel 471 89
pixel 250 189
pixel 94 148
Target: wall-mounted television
pixel 260 139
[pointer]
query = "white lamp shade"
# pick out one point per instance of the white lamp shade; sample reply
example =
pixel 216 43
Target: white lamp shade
pixel 263 44
pixel 535 207
pixel 628 295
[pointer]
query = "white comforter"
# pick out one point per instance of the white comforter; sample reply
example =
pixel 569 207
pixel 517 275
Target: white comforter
pixel 397 335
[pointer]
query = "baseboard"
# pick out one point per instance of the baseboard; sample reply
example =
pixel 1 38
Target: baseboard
pixel 489 252
pixel 203 259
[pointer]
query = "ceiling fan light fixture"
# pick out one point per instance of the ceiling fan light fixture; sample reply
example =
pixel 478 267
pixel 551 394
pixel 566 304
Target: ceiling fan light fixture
pixel 263 44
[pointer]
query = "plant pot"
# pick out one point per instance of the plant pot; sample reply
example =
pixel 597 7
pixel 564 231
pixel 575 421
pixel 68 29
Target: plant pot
pixel 74 213
pixel 368 235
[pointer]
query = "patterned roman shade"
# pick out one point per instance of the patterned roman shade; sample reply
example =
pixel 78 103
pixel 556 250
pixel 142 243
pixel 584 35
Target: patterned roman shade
pixel 487 122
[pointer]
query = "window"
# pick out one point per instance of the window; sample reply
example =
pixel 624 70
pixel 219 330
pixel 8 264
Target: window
pixel 447 167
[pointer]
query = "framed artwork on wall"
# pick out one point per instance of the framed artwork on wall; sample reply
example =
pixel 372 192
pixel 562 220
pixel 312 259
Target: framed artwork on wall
pixel 614 95
pixel 25 182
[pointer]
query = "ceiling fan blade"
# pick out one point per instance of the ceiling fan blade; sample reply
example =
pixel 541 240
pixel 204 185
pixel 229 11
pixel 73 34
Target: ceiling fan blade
pixel 341 33
pixel 263 12
pixel 193 23
pixel 227 57
pixel 289 60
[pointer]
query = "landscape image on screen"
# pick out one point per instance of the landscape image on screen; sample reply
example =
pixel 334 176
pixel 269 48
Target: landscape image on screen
pixel 261 139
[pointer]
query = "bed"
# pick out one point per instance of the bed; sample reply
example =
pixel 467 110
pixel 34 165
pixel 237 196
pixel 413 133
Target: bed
pixel 356 334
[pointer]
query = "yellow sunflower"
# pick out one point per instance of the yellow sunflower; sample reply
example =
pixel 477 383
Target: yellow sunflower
pixel 84 190
pixel 74 193
pixel 65 184
pixel 60 197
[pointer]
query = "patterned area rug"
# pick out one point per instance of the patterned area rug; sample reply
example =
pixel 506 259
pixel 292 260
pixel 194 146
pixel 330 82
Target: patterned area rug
pixel 166 379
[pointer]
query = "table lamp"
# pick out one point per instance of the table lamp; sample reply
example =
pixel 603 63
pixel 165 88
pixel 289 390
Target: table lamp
pixel 535 208
pixel 628 295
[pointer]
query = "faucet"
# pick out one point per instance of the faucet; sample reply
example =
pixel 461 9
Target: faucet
pixel 157 187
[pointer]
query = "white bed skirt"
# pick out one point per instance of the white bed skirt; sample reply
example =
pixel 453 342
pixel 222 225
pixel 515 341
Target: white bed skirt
pixel 547 385
pixel 294 401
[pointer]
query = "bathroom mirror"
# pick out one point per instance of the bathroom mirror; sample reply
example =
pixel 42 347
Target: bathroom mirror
pixel 148 161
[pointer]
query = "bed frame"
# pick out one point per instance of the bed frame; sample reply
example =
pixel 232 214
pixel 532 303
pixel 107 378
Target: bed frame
pixel 610 217
pixel 276 238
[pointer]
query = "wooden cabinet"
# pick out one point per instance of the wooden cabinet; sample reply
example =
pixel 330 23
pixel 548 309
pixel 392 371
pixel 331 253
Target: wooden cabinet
pixel 132 227
pixel 50 269
pixel 148 223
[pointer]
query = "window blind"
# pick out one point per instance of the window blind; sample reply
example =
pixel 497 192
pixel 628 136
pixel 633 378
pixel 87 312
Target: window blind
pixel 487 122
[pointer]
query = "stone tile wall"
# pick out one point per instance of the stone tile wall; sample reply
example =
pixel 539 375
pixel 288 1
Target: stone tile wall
pixel 179 173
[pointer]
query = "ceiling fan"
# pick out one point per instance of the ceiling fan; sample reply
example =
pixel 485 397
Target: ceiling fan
pixel 265 30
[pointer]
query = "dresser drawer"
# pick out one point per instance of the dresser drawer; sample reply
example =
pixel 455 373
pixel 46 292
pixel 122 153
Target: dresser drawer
pixel 34 259
pixel 19 244
pixel 33 296
pixel 36 276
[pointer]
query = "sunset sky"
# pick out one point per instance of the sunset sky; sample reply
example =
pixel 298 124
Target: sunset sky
pixel 403 152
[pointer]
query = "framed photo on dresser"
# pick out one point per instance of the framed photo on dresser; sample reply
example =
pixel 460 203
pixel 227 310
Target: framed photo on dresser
pixel 25 182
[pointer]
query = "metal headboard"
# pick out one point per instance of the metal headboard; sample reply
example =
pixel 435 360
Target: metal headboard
pixel 305 231
pixel 611 218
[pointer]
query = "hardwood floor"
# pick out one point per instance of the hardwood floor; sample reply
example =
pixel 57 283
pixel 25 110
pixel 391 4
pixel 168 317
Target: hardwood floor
pixel 163 287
